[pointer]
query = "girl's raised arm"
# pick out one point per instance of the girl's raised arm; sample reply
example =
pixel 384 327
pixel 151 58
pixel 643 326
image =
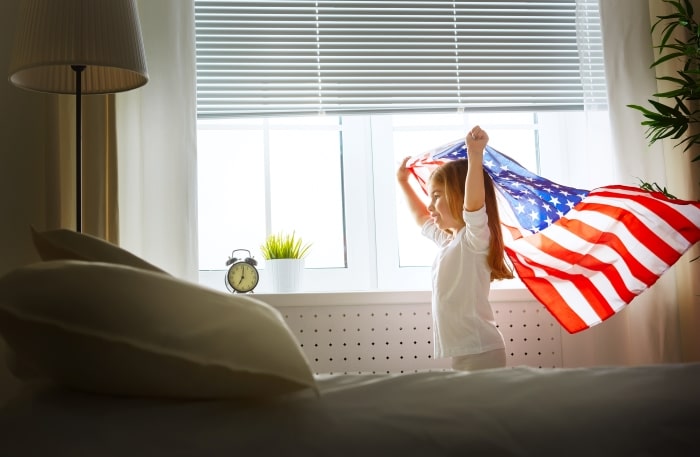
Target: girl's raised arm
pixel 474 193
pixel 415 204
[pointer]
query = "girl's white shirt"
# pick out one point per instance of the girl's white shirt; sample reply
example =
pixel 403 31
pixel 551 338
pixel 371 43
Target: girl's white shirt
pixel 463 321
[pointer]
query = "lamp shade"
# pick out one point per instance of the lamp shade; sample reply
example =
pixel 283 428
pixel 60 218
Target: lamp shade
pixel 102 35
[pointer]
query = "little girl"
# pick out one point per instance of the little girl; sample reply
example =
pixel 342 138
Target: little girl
pixel 462 218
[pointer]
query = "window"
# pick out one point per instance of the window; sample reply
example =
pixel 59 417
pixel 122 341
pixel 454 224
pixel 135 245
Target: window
pixel 332 179
pixel 267 175
pixel 306 107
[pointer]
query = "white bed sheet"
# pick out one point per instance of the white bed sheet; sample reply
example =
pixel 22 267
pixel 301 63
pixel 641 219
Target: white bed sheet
pixel 601 411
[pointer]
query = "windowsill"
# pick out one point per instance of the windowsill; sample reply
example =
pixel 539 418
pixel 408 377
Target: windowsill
pixel 375 297
pixel 501 291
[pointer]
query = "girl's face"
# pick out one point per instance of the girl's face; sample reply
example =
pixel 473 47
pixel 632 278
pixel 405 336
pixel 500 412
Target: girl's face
pixel 440 210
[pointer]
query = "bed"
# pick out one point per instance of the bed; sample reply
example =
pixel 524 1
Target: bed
pixel 115 357
pixel 601 411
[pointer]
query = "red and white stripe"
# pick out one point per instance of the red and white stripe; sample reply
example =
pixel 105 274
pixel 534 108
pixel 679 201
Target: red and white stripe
pixel 608 249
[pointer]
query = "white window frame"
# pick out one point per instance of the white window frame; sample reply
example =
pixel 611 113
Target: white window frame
pixel 370 214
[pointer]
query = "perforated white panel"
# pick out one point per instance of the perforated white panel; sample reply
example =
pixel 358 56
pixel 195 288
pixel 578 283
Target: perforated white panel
pixel 398 338
pixel 533 336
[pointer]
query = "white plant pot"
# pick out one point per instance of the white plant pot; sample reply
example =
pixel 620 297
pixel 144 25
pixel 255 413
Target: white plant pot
pixel 286 275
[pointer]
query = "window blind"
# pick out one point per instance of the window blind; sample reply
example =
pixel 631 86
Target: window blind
pixel 266 58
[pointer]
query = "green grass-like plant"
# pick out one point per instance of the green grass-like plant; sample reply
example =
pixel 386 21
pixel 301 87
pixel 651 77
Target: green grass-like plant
pixel 284 246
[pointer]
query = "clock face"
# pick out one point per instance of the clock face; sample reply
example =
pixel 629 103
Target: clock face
pixel 242 277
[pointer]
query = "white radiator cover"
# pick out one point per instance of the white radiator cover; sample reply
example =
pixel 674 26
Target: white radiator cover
pixel 392 332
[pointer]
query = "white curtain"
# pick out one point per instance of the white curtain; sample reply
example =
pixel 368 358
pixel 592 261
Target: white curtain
pixel 647 330
pixel 157 144
pixel 684 180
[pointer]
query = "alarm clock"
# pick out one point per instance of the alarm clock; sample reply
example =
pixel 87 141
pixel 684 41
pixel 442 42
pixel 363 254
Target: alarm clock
pixel 242 275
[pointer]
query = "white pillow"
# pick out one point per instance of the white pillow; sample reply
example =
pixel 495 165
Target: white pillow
pixel 120 330
pixel 64 244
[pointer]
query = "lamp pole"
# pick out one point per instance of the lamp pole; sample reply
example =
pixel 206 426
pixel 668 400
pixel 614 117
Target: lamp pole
pixel 78 69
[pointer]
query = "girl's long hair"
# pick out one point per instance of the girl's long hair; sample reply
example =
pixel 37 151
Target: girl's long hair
pixel 453 175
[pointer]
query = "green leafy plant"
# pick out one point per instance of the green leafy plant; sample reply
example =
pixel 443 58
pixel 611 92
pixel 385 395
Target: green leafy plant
pixel 674 120
pixel 654 187
pixel 284 246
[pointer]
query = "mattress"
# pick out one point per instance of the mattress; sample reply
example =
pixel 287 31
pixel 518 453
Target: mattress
pixel 616 411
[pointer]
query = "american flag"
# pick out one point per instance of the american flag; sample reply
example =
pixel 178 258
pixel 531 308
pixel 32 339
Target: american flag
pixel 583 254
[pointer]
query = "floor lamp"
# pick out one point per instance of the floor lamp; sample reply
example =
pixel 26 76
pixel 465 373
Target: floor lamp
pixel 78 47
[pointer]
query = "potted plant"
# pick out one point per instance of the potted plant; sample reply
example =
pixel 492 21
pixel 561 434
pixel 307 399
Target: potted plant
pixel 680 117
pixel 284 255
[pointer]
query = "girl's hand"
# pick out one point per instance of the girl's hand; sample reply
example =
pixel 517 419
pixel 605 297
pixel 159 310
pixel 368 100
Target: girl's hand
pixel 403 173
pixel 476 140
